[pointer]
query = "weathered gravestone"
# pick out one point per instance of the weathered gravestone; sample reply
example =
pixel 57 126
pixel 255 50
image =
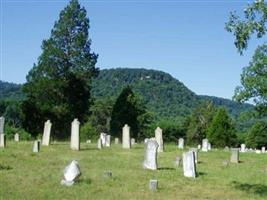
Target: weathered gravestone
pixel 2 125
pixel 243 148
pixel 126 143
pixel 150 161
pixel 46 133
pixel 108 140
pixel 132 141
pixel 195 150
pixel 36 146
pixel 16 137
pixel 99 143
pixel 153 185
pixel 234 155
pixel 75 135
pixel 205 143
pixel 181 143
pixel 117 141
pixel 103 137
pixel 263 149
pixel 199 146
pixel 189 164
pixel 2 140
pixel 71 173
pixel 159 139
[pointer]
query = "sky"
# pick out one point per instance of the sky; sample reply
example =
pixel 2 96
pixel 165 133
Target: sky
pixel 186 39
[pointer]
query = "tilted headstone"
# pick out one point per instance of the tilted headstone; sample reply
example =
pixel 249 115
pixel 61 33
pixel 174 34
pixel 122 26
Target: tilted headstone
pixel 2 140
pixel 195 150
pixel 117 141
pixel 189 164
pixel 99 143
pixel 234 155
pixel 75 135
pixel 181 143
pixel 36 146
pixel 159 139
pixel 71 173
pixel 108 140
pixel 132 141
pixel 46 133
pixel 177 161
pixel 103 137
pixel 150 161
pixel 243 148
pixel 2 125
pixel 205 143
pixel 153 185
pixel 16 137
pixel 263 150
pixel 126 143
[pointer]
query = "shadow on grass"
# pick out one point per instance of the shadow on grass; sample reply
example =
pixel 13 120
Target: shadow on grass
pixel 257 189
pixel 166 168
pixel 86 181
pixel 202 174
pixel 5 167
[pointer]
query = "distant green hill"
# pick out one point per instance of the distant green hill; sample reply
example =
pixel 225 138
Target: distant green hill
pixel 164 95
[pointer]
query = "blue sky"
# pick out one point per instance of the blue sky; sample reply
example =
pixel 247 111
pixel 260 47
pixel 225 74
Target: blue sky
pixel 184 38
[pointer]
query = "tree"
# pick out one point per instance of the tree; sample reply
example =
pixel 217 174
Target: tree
pixel 257 136
pixel 254 77
pixel 221 131
pixel 199 122
pixel 128 109
pixel 58 86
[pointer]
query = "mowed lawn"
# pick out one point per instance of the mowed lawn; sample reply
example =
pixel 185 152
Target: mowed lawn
pixel 27 175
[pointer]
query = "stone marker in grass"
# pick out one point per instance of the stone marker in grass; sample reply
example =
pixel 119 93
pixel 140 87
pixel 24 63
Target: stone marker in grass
pixel 209 146
pixel 181 143
pixel 243 148
pixel 75 136
pixel 36 146
pixel 189 164
pixel 117 141
pixel 132 141
pixel 234 155
pixel 205 143
pixel 99 143
pixel 46 133
pixel 108 141
pixel 71 173
pixel 16 137
pixel 2 140
pixel 263 150
pixel 126 143
pixel 195 150
pixel 103 137
pixel 153 185
pixel 150 161
pixel 159 139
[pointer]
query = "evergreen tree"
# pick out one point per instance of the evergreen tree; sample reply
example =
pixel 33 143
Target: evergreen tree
pixel 257 136
pixel 221 132
pixel 58 86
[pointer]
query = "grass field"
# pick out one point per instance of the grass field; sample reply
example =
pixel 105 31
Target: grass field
pixel 25 175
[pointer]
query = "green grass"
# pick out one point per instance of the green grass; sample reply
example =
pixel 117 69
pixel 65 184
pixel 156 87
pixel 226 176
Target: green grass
pixel 25 175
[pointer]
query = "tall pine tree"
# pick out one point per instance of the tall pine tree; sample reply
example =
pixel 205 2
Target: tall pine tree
pixel 58 86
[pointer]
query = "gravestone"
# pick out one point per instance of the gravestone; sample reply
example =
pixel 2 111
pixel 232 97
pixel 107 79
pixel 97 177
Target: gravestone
pixel 132 141
pixel 2 140
pixel 126 143
pixel 258 151
pixel 205 143
pixel 117 141
pixel 16 137
pixel 263 149
pixel 75 136
pixel 99 143
pixel 46 133
pixel 195 150
pixel 150 161
pixel 103 137
pixel 36 146
pixel 234 155
pixel 153 185
pixel 181 143
pixel 189 164
pixel 88 141
pixel 71 173
pixel 159 139
pixel 199 146
pixel 177 161
pixel 243 148
pixel 209 146
pixel 2 125
pixel 108 140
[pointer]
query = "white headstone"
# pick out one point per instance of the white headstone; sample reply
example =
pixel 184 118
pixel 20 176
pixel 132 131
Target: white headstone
pixel 75 136
pixel 71 173
pixel 181 143
pixel 189 164
pixel 117 141
pixel 108 140
pixel 199 146
pixel 243 148
pixel 99 143
pixel 2 125
pixel 2 140
pixel 36 146
pixel 205 143
pixel 132 141
pixel 195 150
pixel 258 151
pixel 263 150
pixel 153 185
pixel 16 137
pixel 46 133
pixel 234 155
pixel 126 143
pixel 88 141
pixel 150 161
pixel 158 136
pixel 103 137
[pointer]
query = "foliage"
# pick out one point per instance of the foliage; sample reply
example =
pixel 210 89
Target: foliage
pixel 10 91
pixel 58 86
pixel 199 122
pixel 221 131
pixel 128 109
pixel 257 136
pixel 88 131
pixel 10 131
